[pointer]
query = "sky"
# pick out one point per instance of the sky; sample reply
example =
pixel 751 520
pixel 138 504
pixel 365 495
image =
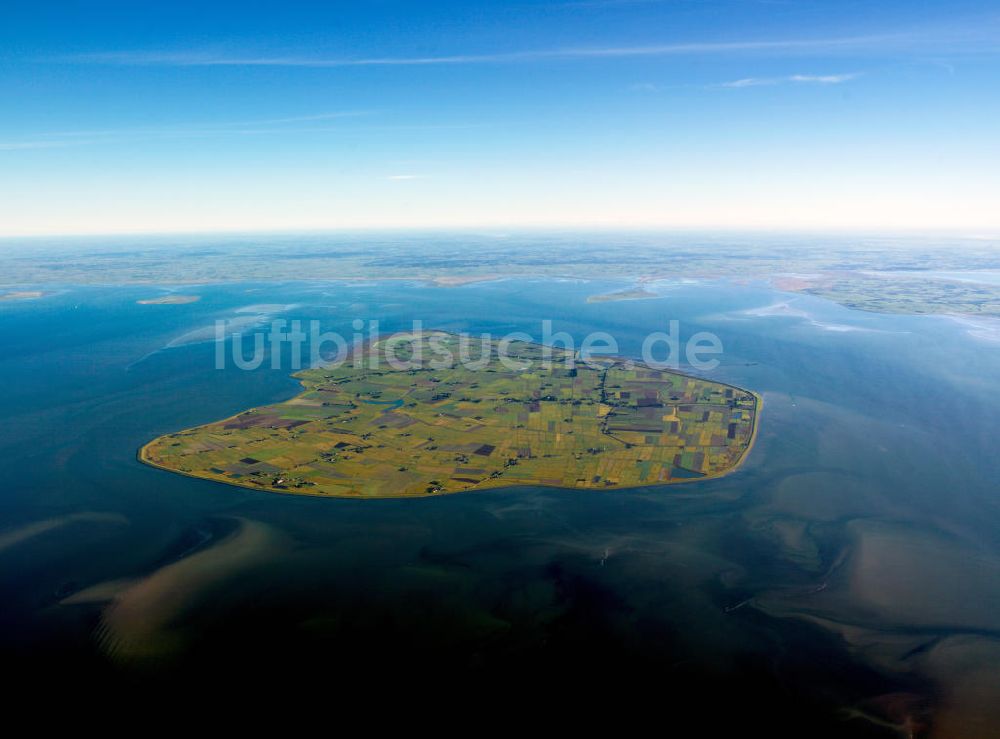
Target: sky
pixel 125 117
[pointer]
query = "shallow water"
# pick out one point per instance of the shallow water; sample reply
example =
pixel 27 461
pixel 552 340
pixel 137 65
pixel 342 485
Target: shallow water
pixel 846 578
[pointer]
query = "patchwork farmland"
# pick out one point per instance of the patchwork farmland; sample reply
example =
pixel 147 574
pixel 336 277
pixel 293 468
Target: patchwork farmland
pixel 376 428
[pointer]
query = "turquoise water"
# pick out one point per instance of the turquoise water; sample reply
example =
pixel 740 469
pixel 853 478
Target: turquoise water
pixel 854 557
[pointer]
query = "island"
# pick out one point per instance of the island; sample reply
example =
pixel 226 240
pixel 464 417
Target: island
pixel 383 424
pixel 22 295
pixel 170 300
pixel 635 293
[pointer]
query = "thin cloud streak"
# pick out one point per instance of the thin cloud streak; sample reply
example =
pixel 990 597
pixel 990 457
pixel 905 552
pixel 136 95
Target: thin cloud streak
pixel 28 145
pixel 813 79
pixel 263 127
pixel 205 128
pixel 965 36
pixel 59 139
pixel 208 59
pixel 825 79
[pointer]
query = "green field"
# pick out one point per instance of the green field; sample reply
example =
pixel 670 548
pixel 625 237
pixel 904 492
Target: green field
pixel 372 430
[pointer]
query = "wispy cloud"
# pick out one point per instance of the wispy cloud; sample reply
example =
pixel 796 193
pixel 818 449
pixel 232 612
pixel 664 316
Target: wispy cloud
pixel 263 126
pixel 26 145
pixel 209 127
pixel 825 79
pixel 962 36
pixel 213 59
pixel 749 82
pixel 814 79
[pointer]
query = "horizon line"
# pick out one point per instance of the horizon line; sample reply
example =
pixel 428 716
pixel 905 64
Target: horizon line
pixel 982 232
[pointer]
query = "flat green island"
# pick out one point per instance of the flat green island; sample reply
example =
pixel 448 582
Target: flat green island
pixel 632 293
pixel 367 429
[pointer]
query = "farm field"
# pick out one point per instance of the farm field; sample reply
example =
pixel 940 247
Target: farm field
pixel 400 418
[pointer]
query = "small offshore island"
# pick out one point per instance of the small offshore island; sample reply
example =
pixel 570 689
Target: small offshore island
pixel 370 430
pixel 170 300
pixel 22 295
pixel 634 293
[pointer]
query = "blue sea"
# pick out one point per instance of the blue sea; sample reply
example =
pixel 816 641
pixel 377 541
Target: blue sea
pixel 846 579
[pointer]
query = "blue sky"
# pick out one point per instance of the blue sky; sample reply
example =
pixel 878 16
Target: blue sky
pixel 729 114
